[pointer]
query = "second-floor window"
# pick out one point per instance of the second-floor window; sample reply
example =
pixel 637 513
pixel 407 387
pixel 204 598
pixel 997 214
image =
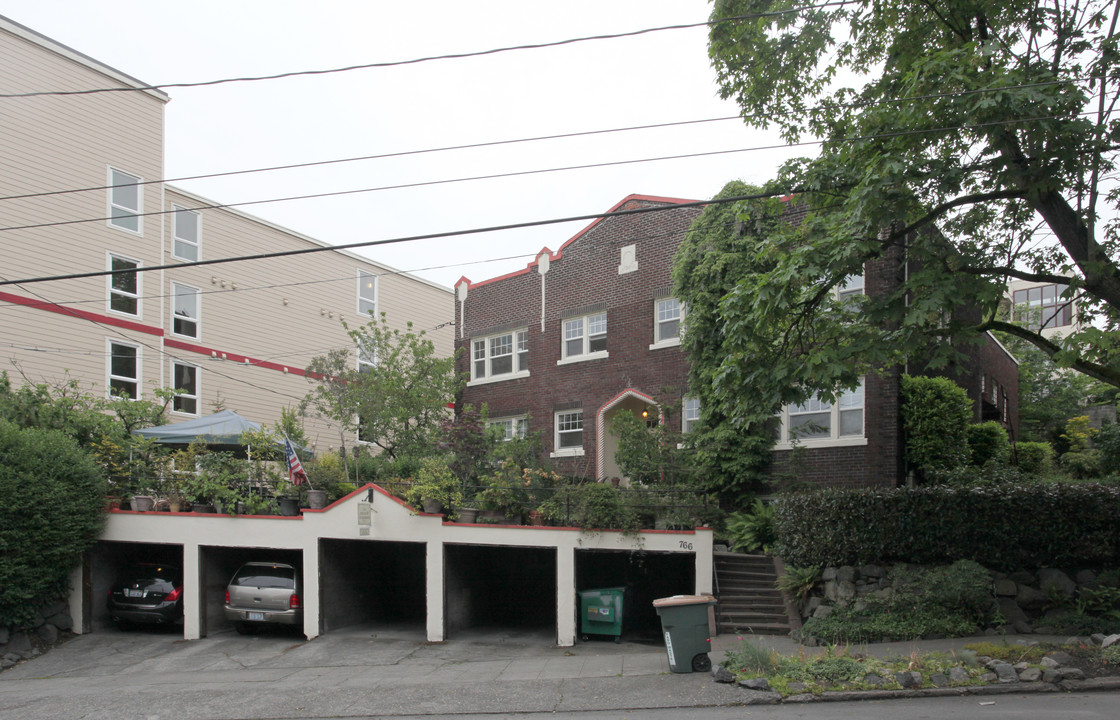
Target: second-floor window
pixel 499 355
pixel 1043 307
pixel 185 378
pixel 690 414
pixel 124 370
pixel 585 335
pixel 187 233
pixel 185 319
pixel 124 287
pixel 125 194
pixel 667 325
pixel 367 293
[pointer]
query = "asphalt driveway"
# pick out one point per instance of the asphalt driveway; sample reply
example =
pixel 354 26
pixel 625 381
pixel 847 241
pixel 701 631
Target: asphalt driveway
pixel 350 672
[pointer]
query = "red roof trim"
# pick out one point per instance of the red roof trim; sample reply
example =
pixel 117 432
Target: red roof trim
pixel 560 253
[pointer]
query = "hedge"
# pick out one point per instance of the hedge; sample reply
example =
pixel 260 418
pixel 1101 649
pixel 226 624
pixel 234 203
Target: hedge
pixel 52 497
pixel 1002 527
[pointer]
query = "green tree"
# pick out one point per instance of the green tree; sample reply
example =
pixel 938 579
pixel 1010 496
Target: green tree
pixel 394 395
pixel 992 121
pixel 1050 395
pixel 51 500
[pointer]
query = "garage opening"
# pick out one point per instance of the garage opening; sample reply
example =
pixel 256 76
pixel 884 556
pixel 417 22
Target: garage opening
pixel 645 576
pixel 217 565
pixel 372 582
pixel 108 564
pixel 499 587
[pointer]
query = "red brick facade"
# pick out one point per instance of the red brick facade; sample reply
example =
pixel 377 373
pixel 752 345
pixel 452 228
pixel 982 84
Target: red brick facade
pixel 583 278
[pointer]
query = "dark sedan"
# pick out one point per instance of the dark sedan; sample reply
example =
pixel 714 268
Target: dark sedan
pixel 148 594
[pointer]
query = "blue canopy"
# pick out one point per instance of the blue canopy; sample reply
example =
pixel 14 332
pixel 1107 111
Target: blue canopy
pixel 223 428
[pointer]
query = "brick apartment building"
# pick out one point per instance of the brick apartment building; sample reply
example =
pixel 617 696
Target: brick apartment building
pixel 592 329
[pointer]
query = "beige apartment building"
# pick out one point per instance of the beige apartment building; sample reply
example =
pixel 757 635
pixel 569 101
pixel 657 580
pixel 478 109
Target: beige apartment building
pixel 81 192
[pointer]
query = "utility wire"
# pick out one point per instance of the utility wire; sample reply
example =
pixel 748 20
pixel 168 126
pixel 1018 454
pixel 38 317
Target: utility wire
pixel 560 136
pixel 523 173
pixel 431 58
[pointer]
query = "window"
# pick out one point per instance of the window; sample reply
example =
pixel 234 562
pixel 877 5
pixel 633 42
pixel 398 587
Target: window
pixel 124 287
pixel 500 357
pixel 512 427
pixel 852 286
pixel 124 370
pixel 185 314
pixel 585 336
pixel 1043 307
pixel 125 193
pixel 367 293
pixel 185 379
pixel 569 432
pixel 690 414
pixel 187 233
pixel 367 358
pixel 816 421
pixel 667 324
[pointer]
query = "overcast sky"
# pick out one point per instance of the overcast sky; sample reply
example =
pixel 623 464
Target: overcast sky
pixel 659 77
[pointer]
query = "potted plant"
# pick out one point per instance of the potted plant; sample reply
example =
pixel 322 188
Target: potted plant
pixel 503 493
pixel 434 488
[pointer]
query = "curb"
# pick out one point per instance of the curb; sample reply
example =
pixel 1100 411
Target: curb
pixel 760 697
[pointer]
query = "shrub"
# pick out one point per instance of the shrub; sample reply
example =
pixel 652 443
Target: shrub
pixel 798 581
pixel 935 415
pixel 51 500
pixel 990 525
pixel 1107 441
pixel 752 531
pixel 1111 654
pixel 1034 458
pixel 952 600
pixel 987 442
pixel 1082 464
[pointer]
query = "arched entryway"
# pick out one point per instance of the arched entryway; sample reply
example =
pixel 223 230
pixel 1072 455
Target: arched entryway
pixel 636 402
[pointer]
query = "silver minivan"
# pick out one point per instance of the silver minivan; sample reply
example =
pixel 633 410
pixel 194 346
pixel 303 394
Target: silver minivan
pixel 262 594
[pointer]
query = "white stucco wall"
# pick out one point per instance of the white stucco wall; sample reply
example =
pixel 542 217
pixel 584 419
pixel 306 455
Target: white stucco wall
pixel 355 517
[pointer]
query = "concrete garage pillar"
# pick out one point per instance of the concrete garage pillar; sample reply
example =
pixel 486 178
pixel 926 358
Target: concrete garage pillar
pixel 192 600
pixel 312 613
pixel 434 580
pixel 565 596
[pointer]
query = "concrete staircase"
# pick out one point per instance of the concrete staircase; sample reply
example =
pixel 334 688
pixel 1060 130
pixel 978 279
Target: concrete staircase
pixel 748 600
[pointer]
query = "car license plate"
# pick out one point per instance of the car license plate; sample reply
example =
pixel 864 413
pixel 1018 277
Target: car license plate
pixel 256 616
pixel 128 592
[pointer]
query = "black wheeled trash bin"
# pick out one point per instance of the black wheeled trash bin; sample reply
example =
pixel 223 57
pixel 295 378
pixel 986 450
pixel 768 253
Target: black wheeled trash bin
pixel 684 620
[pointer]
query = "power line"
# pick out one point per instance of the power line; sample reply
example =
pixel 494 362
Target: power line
pixel 559 136
pixel 523 173
pixel 431 58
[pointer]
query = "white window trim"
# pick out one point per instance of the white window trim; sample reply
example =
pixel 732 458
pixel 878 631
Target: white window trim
pixel 138 211
pixel 565 358
pixel 198 306
pixel 139 379
pixel 565 452
pixel 490 378
pixel 197 396
pixel 361 362
pixel 785 443
pixel 111 291
pixel 362 275
pixel 196 243
pixel 668 342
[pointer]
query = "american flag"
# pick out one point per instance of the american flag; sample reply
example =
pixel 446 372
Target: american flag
pixel 296 475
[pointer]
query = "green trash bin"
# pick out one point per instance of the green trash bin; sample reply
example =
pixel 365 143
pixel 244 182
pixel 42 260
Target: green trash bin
pixel 601 612
pixel 684 620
